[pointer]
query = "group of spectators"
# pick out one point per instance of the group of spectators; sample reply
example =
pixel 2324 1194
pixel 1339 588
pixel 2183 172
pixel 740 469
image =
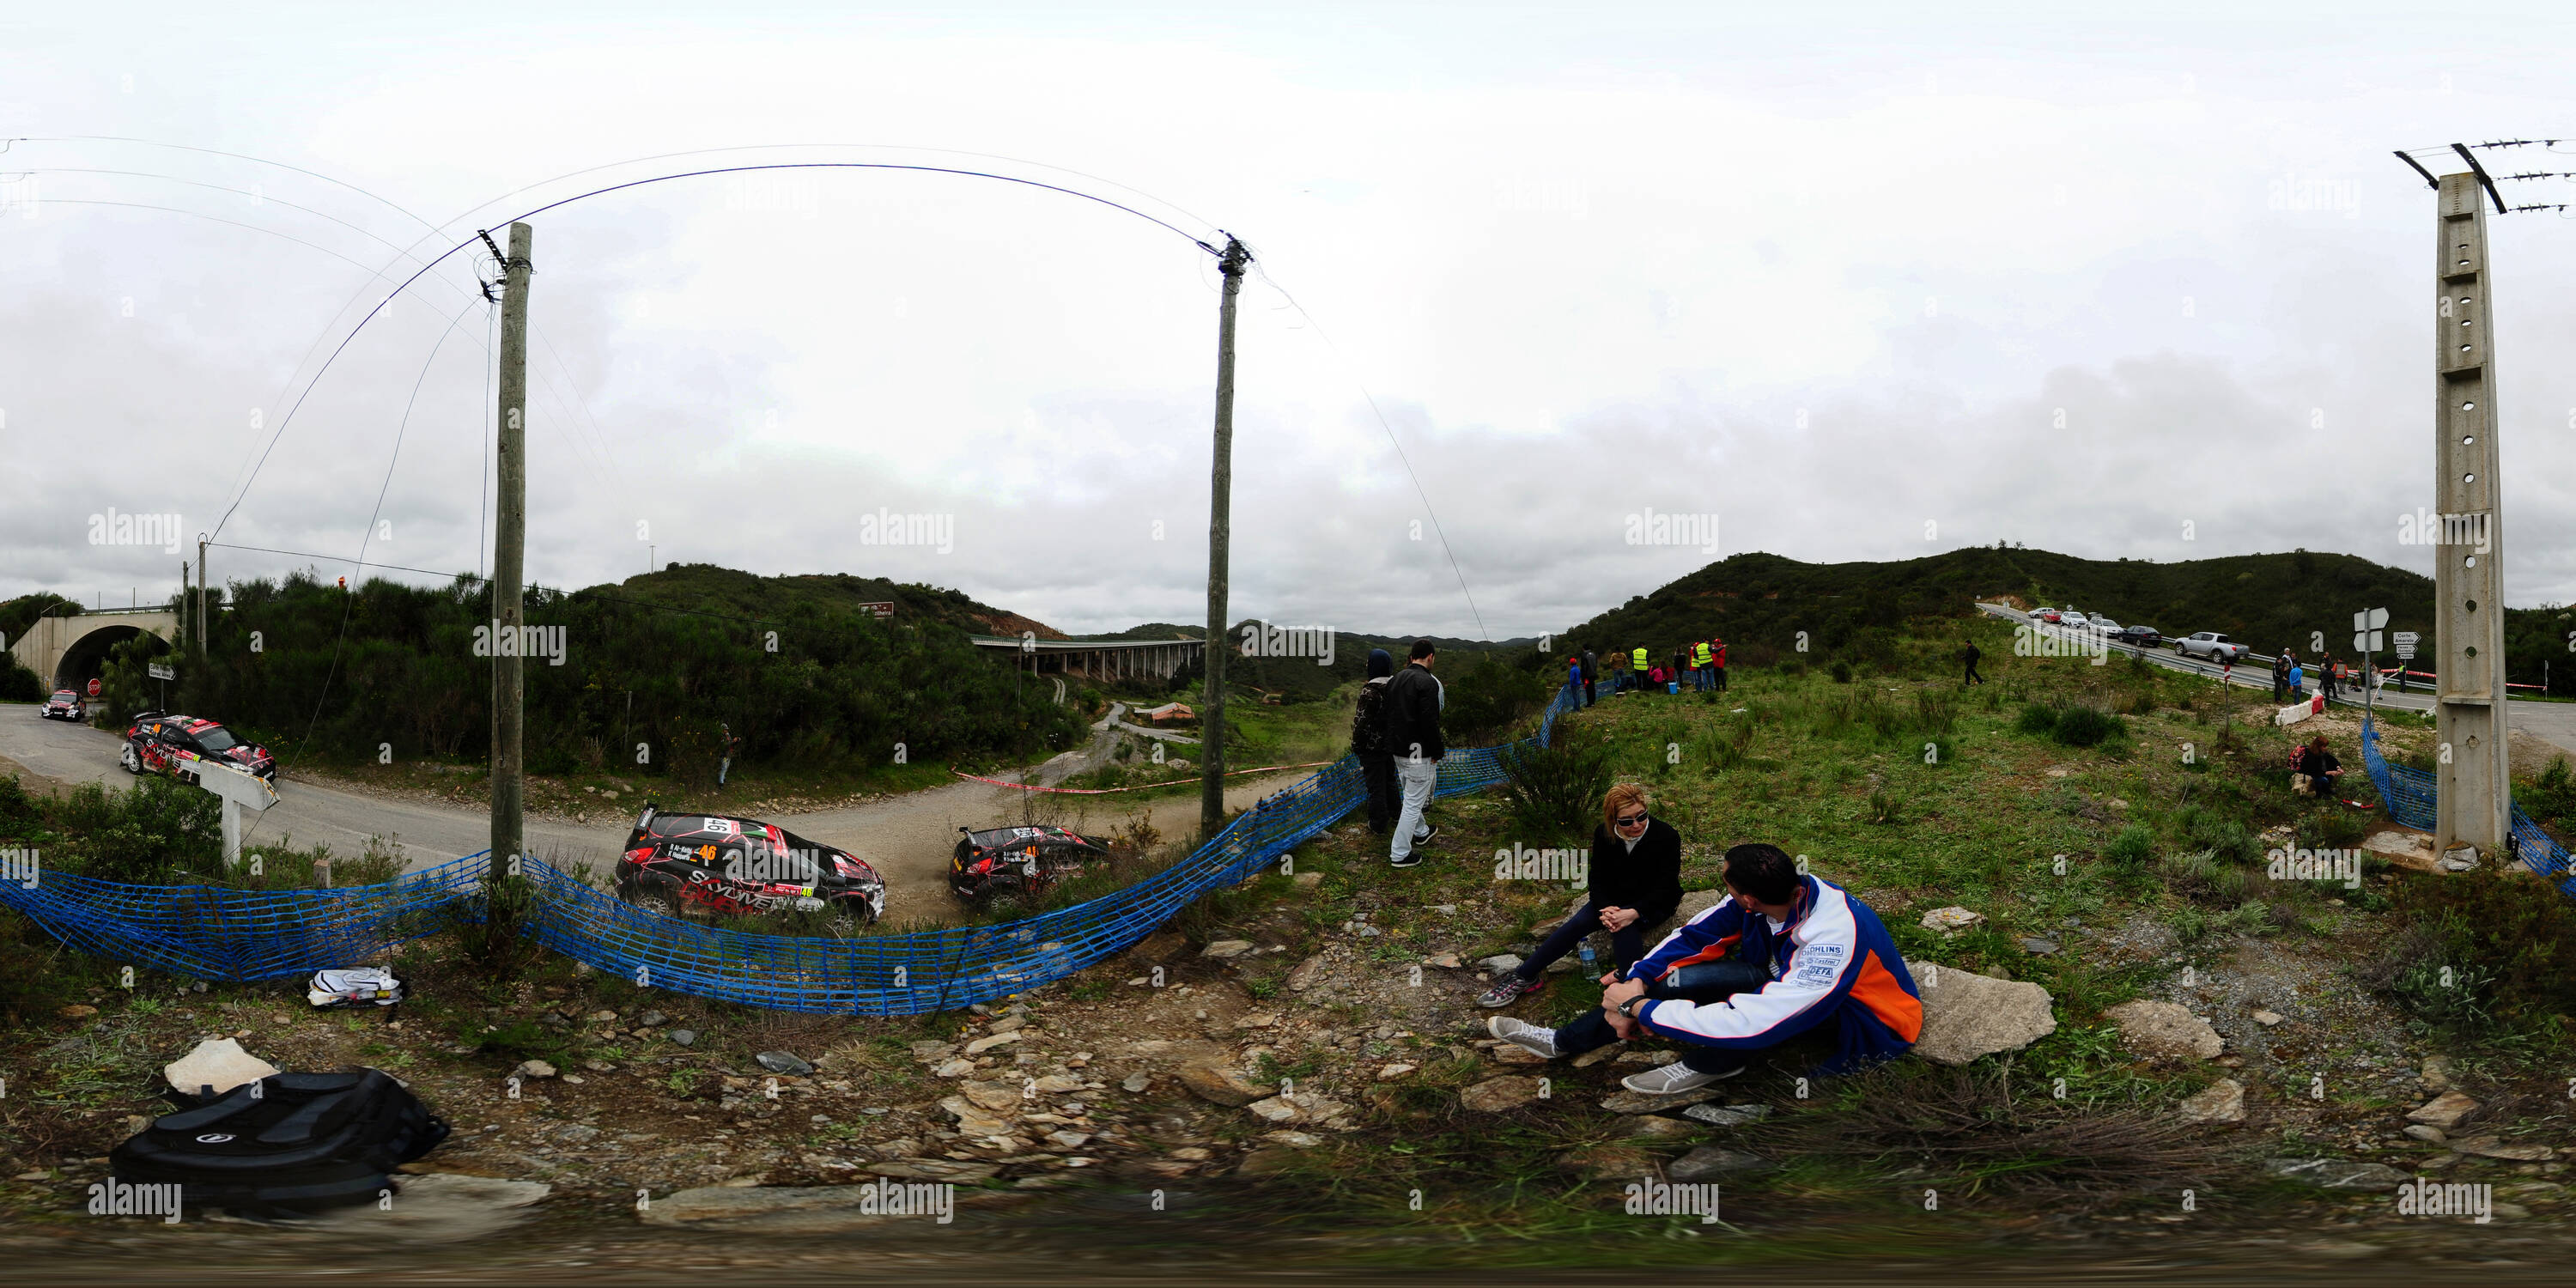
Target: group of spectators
pixel 2290 677
pixel 1784 953
pixel 1700 664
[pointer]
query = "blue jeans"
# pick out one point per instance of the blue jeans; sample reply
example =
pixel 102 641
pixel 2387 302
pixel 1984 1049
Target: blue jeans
pixel 1626 945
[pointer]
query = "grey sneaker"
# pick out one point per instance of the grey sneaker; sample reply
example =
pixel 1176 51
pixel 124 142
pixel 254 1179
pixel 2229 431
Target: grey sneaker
pixel 1672 1079
pixel 1524 1034
pixel 1507 990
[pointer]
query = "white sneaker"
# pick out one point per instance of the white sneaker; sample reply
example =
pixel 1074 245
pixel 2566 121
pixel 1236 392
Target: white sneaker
pixel 1525 1034
pixel 1672 1079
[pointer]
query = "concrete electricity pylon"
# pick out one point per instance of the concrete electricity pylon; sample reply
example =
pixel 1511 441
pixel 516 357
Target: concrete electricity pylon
pixel 2472 761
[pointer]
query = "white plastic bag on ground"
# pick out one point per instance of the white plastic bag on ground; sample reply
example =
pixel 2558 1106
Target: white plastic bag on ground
pixel 219 1063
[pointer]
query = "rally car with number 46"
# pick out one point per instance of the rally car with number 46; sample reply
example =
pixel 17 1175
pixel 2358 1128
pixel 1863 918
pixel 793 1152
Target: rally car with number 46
pixel 712 865
pixel 175 745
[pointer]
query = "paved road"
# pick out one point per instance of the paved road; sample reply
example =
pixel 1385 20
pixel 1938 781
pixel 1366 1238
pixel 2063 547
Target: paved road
pixel 908 838
pixel 2552 722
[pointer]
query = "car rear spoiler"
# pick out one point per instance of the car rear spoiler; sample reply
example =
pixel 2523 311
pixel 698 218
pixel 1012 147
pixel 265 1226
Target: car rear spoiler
pixel 647 816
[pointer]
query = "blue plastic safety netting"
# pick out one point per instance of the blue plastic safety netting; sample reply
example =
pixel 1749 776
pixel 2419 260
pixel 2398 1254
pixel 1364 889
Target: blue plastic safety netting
pixel 2411 796
pixel 217 933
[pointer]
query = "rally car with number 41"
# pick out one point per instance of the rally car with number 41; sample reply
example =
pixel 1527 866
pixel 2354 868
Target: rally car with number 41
pixel 1018 860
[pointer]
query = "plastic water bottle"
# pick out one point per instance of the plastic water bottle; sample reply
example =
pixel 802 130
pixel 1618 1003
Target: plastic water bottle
pixel 1587 956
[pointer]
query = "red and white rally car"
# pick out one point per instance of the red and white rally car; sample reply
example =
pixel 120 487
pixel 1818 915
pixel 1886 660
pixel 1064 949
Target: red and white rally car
pixel 173 744
pixel 66 704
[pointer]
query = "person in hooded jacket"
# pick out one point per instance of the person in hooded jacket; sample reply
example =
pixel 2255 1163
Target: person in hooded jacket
pixel 1368 742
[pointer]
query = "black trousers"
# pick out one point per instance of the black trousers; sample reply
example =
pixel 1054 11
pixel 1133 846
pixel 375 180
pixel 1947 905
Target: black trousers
pixel 1971 677
pixel 1625 945
pixel 1378 770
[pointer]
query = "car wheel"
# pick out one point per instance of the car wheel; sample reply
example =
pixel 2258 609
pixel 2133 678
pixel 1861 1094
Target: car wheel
pixel 845 922
pixel 657 900
pixel 132 762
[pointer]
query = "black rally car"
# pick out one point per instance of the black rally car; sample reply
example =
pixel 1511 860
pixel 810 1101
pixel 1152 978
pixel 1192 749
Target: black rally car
pixel 1018 860
pixel 713 865
pixel 170 744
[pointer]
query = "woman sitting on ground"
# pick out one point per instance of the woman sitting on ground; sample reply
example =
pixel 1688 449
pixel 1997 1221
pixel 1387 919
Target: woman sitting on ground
pixel 1636 874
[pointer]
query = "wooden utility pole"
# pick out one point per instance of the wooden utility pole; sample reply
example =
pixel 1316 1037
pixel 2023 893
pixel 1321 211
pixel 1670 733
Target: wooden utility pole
pixel 2475 802
pixel 1220 484
pixel 201 599
pixel 509 555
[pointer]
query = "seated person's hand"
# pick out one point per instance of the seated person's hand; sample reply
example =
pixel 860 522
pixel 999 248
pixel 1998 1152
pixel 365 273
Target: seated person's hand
pixel 1618 918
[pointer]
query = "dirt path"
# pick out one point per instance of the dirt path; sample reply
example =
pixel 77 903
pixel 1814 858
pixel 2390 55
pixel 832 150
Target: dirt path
pixel 909 837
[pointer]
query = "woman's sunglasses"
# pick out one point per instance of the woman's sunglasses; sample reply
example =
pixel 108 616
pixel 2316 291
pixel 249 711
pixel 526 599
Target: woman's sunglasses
pixel 1632 820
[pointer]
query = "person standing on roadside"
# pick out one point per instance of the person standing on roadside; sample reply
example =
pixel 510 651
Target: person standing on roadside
pixel 2298 681
pixel 2281 677
pixel 1368 742
pixel 1702 660
pixel 1413 701
pixel 1591 673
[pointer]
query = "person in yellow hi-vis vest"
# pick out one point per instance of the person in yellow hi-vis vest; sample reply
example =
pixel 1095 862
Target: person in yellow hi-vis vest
pixel 1700 666
pixel 1637 667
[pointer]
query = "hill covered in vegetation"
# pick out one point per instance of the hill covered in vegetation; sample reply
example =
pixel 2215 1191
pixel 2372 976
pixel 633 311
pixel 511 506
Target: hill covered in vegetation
pixel 1762 603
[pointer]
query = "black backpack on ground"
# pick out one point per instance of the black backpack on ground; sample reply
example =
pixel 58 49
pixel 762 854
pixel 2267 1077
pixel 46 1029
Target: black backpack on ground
pixel 288 1143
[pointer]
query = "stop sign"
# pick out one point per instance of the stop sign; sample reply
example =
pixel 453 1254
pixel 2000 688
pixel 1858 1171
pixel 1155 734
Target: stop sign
pixel 93 688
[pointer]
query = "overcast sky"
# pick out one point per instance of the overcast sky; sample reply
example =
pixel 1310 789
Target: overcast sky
pixel 1861 282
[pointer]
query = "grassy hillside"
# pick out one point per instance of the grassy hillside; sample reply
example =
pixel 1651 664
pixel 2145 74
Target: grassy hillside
pixel 1761 602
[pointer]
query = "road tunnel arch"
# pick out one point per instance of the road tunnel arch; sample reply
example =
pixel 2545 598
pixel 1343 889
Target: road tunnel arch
pixel 85 658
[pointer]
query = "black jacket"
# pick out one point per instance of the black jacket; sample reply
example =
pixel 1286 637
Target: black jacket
pixel 1648 878
pixel 1591 667
pixel 1413 714
pixel 1368 723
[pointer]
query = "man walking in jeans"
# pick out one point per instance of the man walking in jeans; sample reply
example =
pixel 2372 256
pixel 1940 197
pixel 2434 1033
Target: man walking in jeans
pixel 1413 701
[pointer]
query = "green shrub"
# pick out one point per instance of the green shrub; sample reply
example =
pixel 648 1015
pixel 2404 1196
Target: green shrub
pixel 1842 671
pixel 2131 849
pixel 1557 790
pixel 1936 711
pixel 2551 799
pixel 2036 719
pixel 2086 727
pixel 2509 940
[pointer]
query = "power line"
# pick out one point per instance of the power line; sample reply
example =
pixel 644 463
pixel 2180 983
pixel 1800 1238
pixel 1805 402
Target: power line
pixel 1400 457
pixel 442 256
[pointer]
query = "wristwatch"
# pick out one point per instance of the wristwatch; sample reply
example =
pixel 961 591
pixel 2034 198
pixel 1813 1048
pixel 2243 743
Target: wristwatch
pixel 1629 1008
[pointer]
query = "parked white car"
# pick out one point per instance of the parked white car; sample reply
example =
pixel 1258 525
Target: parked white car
pixel 2211 645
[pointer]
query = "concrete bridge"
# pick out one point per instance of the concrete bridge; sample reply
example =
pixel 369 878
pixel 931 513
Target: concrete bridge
pixel 1099 659
pixel 67 652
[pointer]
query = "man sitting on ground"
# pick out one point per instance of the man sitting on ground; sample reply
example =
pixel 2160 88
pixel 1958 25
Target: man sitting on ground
pixel 1826 956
